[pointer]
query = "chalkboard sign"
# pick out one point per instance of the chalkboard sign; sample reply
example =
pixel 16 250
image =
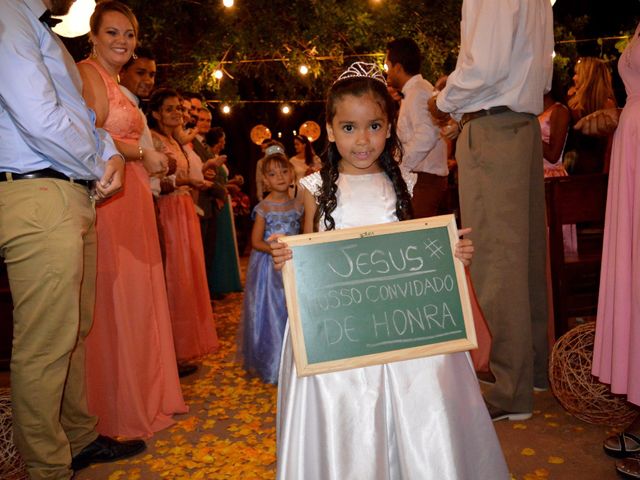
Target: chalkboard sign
pixel 375 294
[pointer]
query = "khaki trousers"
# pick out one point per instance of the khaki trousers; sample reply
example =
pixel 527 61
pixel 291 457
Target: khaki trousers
pixel 48 240
pixel 501 190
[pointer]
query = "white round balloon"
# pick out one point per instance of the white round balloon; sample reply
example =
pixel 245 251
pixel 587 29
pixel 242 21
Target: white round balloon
pixel 76 22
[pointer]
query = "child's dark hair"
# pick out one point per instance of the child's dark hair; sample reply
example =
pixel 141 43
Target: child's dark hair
pixel 308 149
pixel 389 160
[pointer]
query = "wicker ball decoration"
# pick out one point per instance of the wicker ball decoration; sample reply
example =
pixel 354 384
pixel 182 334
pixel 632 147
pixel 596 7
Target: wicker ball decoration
pixel 579 392
pixel 11 464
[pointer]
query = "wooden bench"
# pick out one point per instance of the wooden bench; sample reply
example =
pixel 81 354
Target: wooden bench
pixel 575 277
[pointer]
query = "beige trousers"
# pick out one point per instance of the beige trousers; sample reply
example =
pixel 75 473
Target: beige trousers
pixel 48 240
pixel 501 189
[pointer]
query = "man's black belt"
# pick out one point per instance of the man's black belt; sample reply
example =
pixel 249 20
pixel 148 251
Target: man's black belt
pixel 44 173
pixel 467 117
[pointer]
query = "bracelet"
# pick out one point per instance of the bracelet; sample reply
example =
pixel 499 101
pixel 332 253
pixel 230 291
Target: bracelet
pixel 139 153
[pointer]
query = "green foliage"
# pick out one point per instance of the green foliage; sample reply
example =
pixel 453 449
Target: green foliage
pixel 191 39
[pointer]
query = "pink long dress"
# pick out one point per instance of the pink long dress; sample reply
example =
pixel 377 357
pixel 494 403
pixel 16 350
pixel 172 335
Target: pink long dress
pixel 132 377
pixel 194 329
pixel 616 356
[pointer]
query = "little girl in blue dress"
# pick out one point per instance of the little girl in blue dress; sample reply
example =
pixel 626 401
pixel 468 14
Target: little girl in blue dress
pixel 265 312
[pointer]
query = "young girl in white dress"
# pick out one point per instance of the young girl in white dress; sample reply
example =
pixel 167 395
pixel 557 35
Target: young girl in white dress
pixel 415 419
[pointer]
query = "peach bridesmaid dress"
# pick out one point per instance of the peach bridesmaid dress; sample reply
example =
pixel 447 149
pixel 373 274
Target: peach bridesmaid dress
pixel 194 329
pixel 132 378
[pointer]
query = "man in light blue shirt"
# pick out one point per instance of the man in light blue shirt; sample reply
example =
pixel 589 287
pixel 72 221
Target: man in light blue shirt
pixel 53 165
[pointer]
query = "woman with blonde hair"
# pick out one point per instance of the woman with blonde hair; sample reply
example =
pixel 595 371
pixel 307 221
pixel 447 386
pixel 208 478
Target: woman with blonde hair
pixel 592 91
pixel 132 377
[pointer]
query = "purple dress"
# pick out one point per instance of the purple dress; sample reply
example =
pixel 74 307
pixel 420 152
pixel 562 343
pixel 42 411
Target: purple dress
pixel 265 311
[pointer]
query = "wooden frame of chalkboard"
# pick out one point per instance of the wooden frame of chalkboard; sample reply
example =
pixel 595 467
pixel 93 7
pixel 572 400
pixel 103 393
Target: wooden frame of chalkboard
pixel 376 294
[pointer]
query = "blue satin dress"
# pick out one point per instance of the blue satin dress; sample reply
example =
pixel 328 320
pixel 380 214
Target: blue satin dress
pixel 265 311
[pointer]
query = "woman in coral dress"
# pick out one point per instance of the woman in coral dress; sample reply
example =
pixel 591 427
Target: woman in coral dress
pixel 132 378
pixel 194 330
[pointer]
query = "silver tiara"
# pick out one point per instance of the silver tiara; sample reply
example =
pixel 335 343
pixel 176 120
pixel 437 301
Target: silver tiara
pixel 273 149
pixel 363 69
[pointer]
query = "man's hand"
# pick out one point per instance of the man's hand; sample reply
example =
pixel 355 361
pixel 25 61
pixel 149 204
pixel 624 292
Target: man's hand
pixel 439 117
pixel 451 130
pixel 112 180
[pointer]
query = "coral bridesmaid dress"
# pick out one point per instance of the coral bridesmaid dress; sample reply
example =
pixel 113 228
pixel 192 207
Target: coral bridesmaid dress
pixel 132 378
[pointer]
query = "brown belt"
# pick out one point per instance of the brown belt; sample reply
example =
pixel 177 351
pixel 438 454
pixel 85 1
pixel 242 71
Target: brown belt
pixel 467 117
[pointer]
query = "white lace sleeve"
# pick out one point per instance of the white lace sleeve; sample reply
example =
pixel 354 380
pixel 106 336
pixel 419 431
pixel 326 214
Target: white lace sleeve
pixel 312 183
pixel 410 178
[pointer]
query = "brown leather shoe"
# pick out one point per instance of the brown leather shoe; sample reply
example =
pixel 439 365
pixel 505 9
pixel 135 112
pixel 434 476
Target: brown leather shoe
pixel 105 449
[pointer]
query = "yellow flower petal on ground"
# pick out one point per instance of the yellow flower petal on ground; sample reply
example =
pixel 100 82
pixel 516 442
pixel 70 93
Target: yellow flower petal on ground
pixel 519 426
pixel 556 460
pixel 117 475
pixel 528 452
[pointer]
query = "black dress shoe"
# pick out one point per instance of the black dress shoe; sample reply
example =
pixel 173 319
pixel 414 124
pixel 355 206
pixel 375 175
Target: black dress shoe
pixel 105 449
pixel 185 369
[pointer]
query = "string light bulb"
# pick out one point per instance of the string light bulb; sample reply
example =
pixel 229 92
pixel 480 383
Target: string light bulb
pixel 303 69
pixel 227 3
pixel 218 74
pixel 226 109
pixel 286 109
pixel 76 22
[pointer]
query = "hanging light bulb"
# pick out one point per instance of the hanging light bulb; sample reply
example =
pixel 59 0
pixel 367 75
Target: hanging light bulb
pixel 226 109
pixel 286 109
pixel 227 3
pixel 303 69
pixel 218 74
pixel 76 22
